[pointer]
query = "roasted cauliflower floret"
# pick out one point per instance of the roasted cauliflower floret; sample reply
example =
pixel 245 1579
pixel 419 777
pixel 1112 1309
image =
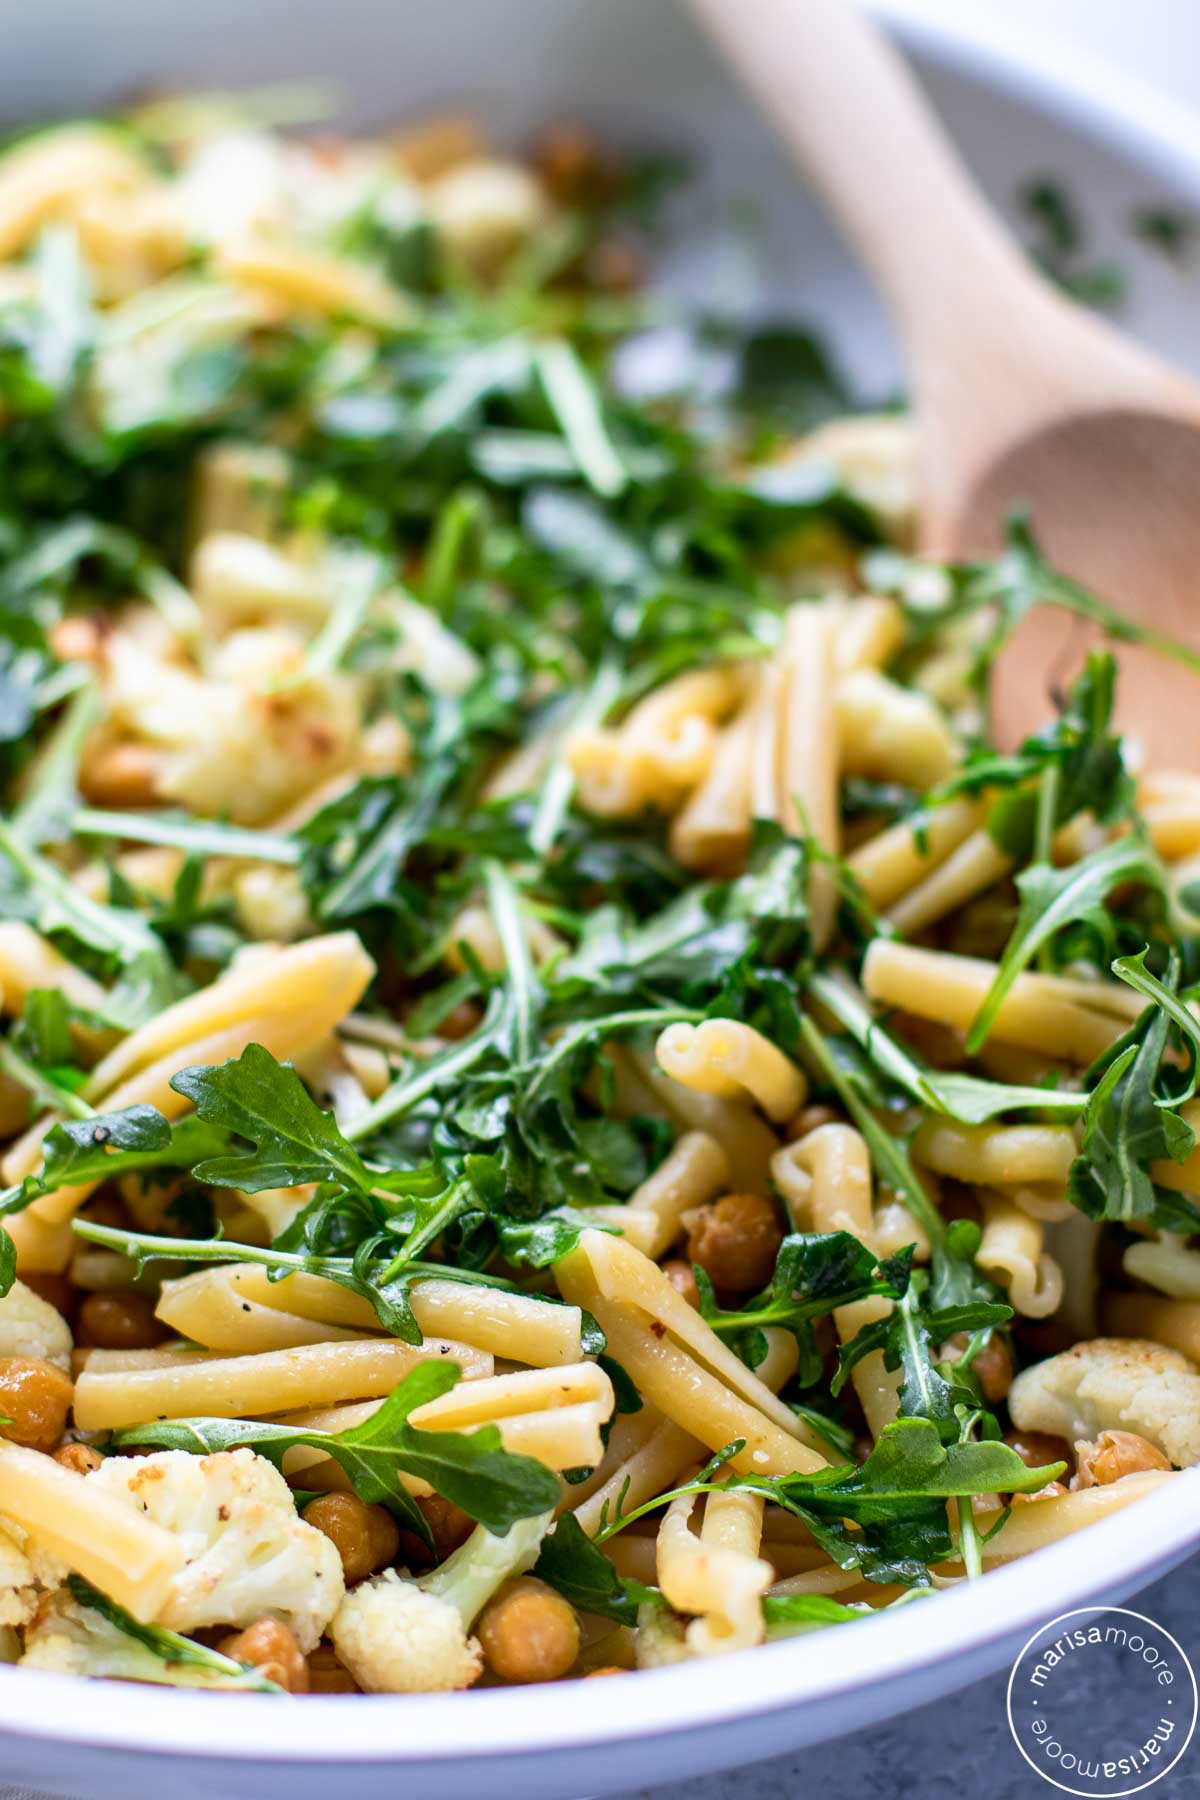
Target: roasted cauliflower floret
pixel 396 1639
pixel 30 1326
pixel 247 1554
pixel 247 737
pixel 1113 1384
pixel 18 1584
pixel 65 1638
pixel 404 1637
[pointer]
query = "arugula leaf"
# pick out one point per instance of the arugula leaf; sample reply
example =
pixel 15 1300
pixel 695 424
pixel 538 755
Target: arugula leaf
pixel 578 1569
pixel 814 1273
pixel 1129 1125
pixel 906 1337
pixel 172 1650
pixel 968 1098
pixel 897 1498
pixel 266 1103
pixel 472 1469
pixel 1052 898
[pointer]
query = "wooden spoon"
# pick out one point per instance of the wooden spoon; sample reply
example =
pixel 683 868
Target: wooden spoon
pixel 1022 397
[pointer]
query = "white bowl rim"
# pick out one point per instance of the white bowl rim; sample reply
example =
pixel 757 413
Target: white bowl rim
pixel 1160 135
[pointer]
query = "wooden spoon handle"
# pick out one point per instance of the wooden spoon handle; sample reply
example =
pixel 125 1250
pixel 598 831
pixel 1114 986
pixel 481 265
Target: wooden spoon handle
pixel 846 105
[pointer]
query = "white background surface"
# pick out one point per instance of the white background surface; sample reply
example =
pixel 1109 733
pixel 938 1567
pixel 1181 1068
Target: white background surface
pixel 959 1750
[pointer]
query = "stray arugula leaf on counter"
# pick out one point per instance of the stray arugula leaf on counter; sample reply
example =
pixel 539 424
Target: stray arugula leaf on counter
pixel 472 1469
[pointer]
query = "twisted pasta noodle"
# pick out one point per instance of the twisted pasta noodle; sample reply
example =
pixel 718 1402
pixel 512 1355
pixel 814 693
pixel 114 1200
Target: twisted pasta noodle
pixel 1175 1323
pixel 896 860
pixel 1048 1203
pixel 971 867
pixel 810 751
pixel 648 1457
pixel 1013 1251
pixel 996 1155
pixel 55 172
pixel 675 725
pixel 208 1308
pixel 696 1379
pixel 711 831
pixel 271 1381
pixel 1034 1524
pixel 838 1164
pixel 663 747
pixel 729 1059
pixel 868 631
pixel 304 280
pixel 695 1170
pixel 285 1001
pixel 717 1576
pixel 494 1320
pixel 1166 1263
pixel 890 733
pixel 553 1415
pixel 101 1536
pixel 29 961
pixel 475 927
pixel 1039 1012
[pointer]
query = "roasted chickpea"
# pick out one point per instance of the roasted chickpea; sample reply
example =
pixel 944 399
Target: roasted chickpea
pixel 35 1397
pixel 450 1525
pixel 270 1647
pixel 122 774
pixel 993 1365
pixel 326 1675
pixel 735 1240
pixel 1053 1490
pixel 365 1536
pixel 573 165
pixel 683 1280
pixel 461 1020
pixel 611 1669
pixel 1038 1449
pixel 528 1632
pixel 1114 1455
pixel 81 1459
pixel 810 1118
pixel 119 1322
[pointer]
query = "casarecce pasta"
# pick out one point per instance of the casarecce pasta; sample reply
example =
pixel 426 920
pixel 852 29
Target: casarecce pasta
pixel 546 1061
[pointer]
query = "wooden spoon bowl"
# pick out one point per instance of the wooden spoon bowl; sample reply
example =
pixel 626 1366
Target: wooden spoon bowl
pixel 1023 399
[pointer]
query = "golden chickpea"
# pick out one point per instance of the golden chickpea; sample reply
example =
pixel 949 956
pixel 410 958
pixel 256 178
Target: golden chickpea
pixel 119 1322
pixel 1114 1455
pixel 81 1459
pixel 365 1536
pixel 574 165
pixel 810 1118
pixel 122 774
pixel 735 1240
pixel 611 1669
pixel 461 1020
pixel 1038 1449
pixel 528 1632
pixel 270 1647
pixel 450 1525
pixel 326 1675
pixel 993 1365
pixel 35 1398
pixel 384 1534
pixel 682 1279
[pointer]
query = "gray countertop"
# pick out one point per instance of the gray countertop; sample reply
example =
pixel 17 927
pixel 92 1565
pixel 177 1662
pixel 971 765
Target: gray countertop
pixel 959 1748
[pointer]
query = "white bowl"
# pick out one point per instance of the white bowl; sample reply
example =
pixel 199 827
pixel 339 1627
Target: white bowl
pixel 1019 108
